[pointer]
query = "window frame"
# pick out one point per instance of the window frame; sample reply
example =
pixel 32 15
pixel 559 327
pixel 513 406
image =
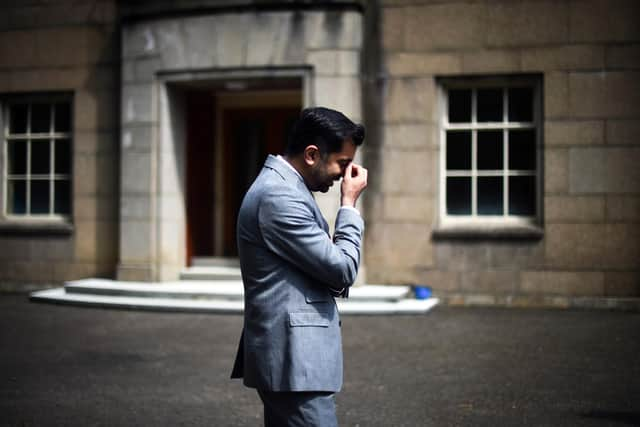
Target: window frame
pixel 30 219
pixel 505 224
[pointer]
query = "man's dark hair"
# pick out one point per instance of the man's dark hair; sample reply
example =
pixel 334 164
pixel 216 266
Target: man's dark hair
pixel 324 128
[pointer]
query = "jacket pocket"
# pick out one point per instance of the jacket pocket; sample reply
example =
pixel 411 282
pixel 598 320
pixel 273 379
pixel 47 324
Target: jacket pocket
pixel 318 319
pixel 314 297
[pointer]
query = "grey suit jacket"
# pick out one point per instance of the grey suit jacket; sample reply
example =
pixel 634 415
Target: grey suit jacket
pixel 291 339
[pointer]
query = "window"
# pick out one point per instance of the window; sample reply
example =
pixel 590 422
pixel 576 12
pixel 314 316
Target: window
pixel 490 151
pixel 37 152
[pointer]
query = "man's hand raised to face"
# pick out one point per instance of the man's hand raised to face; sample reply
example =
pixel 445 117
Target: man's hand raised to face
pixel 354 182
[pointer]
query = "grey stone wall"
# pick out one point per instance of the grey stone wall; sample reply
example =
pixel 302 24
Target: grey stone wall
pixel 588 53
pixel 71 47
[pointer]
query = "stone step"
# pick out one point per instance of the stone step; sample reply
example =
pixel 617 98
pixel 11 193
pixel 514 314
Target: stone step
pixel 215 262
pixel 186 289
pixel 60 296
pixel 218 289
pixel 220 306
pixel 211 273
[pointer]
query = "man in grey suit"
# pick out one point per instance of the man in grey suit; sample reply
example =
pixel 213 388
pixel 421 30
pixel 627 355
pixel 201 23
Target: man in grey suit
pixel 291 347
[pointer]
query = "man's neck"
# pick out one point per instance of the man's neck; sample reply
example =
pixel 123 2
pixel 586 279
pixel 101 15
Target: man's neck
pixel 295 163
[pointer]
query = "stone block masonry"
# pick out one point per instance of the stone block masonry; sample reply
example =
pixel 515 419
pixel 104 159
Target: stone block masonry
pixel 585 55
pixel 51 48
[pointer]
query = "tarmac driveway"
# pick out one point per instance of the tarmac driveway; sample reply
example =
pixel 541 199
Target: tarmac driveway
pixel 71 366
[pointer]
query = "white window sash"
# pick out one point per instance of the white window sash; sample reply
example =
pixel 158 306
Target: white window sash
pixel 51 177
pixel 474 173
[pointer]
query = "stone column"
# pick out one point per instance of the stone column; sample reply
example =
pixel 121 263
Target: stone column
pixel 138 156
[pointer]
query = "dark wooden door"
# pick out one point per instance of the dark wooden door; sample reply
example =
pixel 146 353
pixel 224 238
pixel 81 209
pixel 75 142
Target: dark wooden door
pixel 200 133
pixel 250 134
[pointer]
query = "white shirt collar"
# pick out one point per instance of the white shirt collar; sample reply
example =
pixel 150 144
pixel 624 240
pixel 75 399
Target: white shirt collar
pixel 283 160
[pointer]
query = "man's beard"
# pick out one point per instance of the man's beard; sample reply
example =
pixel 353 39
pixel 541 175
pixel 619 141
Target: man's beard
pixel 323 181
pixel 325 186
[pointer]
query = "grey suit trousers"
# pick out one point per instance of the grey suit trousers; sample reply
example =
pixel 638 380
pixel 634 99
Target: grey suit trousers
pixel 298 409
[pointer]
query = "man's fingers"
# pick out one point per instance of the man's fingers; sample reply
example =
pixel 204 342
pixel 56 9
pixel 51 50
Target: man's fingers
pixel 354 182
pixel 356 170
pixel 363 175
pixel 348 172
pixel 355 177
pixel 359 172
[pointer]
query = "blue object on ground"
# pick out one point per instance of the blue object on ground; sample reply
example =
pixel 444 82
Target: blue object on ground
pixel 422 292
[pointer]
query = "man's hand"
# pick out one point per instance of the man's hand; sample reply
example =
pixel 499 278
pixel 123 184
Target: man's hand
pixel 353 183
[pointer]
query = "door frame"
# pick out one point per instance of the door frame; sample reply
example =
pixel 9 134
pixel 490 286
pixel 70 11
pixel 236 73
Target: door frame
pixel 237 100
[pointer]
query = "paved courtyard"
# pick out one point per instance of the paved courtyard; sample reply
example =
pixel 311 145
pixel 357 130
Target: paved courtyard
pixel 71 366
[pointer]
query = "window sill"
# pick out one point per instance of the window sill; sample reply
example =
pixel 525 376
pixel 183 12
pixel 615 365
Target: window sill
pixel 479 231
pixel 36 227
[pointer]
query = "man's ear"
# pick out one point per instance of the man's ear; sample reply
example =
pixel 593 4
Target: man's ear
pixel 311 155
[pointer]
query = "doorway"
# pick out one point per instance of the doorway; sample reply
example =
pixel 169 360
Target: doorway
pixel 249 136
pixel 229 135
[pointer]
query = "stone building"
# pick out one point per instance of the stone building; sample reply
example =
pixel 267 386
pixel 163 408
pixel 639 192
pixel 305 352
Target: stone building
pixel 503 137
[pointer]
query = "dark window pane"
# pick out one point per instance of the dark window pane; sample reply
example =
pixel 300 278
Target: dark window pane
pixel 40 157
pixel 522 149
pixel 521 104
pixel 459 106
pixel 459 150
pixel 459 196
pixel 17 151
pixel 522 195
pixel 63 117
pixel 490 200
pixel 490 150
pixel 62 200
pixel 489 105
pixel 17 197
pixel 40 118
pixel 18 119
pixel 63 156
pixel 40 197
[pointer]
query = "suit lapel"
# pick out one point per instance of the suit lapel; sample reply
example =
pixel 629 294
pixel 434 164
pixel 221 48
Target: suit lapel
pixel 296 181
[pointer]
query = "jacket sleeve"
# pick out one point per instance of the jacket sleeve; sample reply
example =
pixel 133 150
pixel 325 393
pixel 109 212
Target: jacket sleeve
pixel 290 230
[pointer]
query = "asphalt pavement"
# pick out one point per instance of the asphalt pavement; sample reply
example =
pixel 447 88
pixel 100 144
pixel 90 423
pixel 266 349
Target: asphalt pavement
pixel 73 366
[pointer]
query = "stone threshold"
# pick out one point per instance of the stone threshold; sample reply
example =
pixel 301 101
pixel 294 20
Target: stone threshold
pixel 217 297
